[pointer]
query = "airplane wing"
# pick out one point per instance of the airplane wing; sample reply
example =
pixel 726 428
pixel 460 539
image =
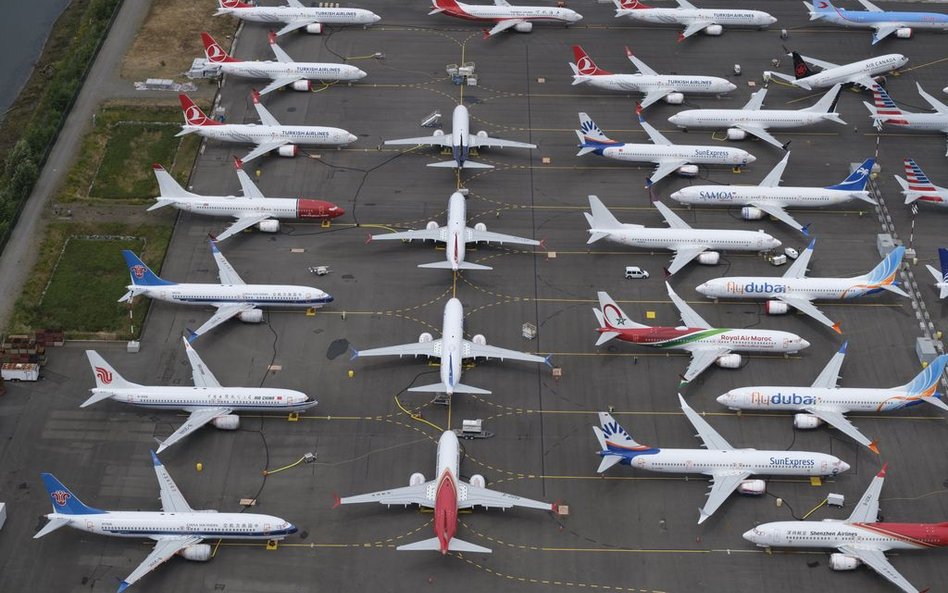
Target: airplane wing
pixel 503 26
pixel 433 140
pixel 422 495
pixel 701 359
pixel 172 501
pixel 196 420
pixel 278 52
pixel 472 235
pixel 471 496
pixel 432 348
pixel 665 168
pixel 869 6
pixel 200 374
pixel 164 549
pixel 501 3
pixel 225 271
pixel 802 263
pixel 805 306
pixel 779 213
pixel 724 483
pixel 438 234
pixel 683 255
pixel 223 313
pixel 695 27
pixel 711 438
pixel 262 149
pixel 294 25
pixel 773 178
pixel 883 30
pixel 820 63
pixel 654 135
pixel 474 350
pixel 489 142
pixel 838 421
pixel 279 83
pixel 639 64
pixel 876 560
pixel 867 509
pixel 862 80
pixel 829 376
pixel 247 186
pixel 756 100
pixel 654 96
pixel 688 315
pixel 242 224
pixel 935 103
pixel 760 133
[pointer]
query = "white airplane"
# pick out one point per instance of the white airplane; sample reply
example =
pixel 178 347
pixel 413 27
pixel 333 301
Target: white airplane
pixel 284 72
pixel 506 16
pixel 825 401
pixel 232 297
pixel 253 209
pixel 860 539
pixel 753 120
pixel 176 530
pixel 941 278
pixel 707 345
pixel 728 466
pixel 709 20
pixel 862 73
pixel 208 402
pixel 795 290
pixel 269 135
pixel 461 141
pixel 885 111
pixel 668 87
pixel 882 22
pixel 295 15
pixel 451 349
pixel 770 198
pixel 918 187
pixel 455 235
pixel 686 242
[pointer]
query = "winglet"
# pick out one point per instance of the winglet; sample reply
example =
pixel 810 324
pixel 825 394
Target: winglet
pixel 255 96
pixel 271 37
pixel 837 329
pixel 805 229
pixel 336 501
pixel 154 459
pixel 157 167
pixel 628 52
pixel 213 242
pixel 548 360
pixel 681 37
pixel 368 239
pixel 638 112
pixel 842 349
pixel 355 353
pixel 192 335
pixel 238 164
pixel 881 473
pixel 667 273
pixel 812 243
pixel 122 586
pixel 874 447
pixel 486 33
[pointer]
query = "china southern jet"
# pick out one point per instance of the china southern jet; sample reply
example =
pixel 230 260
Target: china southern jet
pixel 941 278
pixel 504 15
pixel 918 187
pixel 295 15
pixel 862 73
pixel 882 22
pixel 885 111
pixel 709 20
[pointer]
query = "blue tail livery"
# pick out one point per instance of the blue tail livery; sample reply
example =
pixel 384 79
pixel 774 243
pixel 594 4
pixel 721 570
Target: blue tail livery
pixel 141 274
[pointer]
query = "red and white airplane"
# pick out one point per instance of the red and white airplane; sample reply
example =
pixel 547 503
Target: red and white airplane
pixel 505 16
pixel 446 495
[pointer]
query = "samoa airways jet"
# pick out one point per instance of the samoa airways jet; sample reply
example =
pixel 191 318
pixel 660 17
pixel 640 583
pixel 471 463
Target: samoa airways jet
pixel 208 402
pixel 753 120
pixel 446 495
pixel 505 16
pixel 668 87
pixel 451 349
pixel 882 22
pixel 232 297
pixel 686 242
pixel 825 401
pixel 771 199
pixel 941 278
pixel 455 235
pixel 461 141
pixel 862 73
pixel 918 187
pixel 295 15
pixel 885 111
pixel 269 135
pixel 728 467
pixel 284 72
pixel 252 209
pixel 795 290
pixel 860 539
pixel 176 530
pixel 709 20
pixel 707 345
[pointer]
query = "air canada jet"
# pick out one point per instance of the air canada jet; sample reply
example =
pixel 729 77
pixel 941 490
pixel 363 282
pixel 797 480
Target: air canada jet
pixel 862 73
pixel 296 15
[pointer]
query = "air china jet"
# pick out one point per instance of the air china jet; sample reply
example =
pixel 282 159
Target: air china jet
pixel 710 20
pixel 882 22
pixel 295 15
pixel 505 15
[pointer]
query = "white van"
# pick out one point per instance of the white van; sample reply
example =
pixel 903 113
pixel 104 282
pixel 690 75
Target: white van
pixel 635 273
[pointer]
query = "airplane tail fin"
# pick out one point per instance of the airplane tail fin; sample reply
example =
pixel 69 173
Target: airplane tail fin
pixel 65 502
pixel 590 134
pixel 585 64
pixel 213 51
pixel 168 187
pixel 820 9
pixel 857 180
pixel 883 107
pixel 611 316
pixel 106 378
pixel 925 384
pixel 141 274
pixel 233 4
pixel 917 184
pixel 442 388
pixel 885 273
pixel 600 219
pixel 624 5
pixel 604 334
pixel 800 67
pixel 827 105
pixel 193 116
pixel 943 260
pixel 434 544
pixel 444 265
pixel 614 441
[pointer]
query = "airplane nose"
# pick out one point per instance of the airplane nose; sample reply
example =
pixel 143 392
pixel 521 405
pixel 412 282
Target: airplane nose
pixel 731 86
pixel 352 138
pixel 804 344
pixel 376 18
pixel 360 74
pixel 773 20
pixel 724 399
pixel 843 466
pixel 674 119
pixel 750 535
pixel 291 528
pixel 702 288
pixel 576 17
pixel 750 158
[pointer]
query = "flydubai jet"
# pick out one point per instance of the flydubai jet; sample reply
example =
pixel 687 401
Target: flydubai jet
pixel 461 141
pixel 707 345
pixel 941 278
pixel 885 111
pixel 208 402
pixel 656 87
pixel 753 120
pixel 686 242
pixel 232 297
pixel 860 539
pixel 862 73
pixel 295 15
pixel 505 16
pixel 176 530
pixel 795 290
pixel 252 209
pixel 728 466
pixel 446 494
pixel 451 349
pixel 918 187
pixel 770 198
pixel 882 22
pixel 269 135
pixel 284 72
pixel 825 401
pixel 455 235
pixel 710 20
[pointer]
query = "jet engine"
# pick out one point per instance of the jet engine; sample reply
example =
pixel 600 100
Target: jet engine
pixel 523 27
pixel 480 227
pixel 751 213
pixel 432 225
pixel 752 487
pixel 302 85
pixel 196 553
pixel 844 562
pixel 268 226
pixel 688 170
pixel 482 134
pixel 287 150
pixel 438 133
pixel 806 421
pixel 736 134
pixel 314 28
pixel 729 361
pixel 251 316
pixel 479 339
pixel 227 422
pixel 416 479
pixel 713 30
pixel 424 338
pixel 478 481
pixel 675 98
pixel 776 307
pixel 904 32
pixel 709 258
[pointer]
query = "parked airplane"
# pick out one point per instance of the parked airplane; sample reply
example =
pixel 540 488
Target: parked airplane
pixel 177 529
pixel 753 120
pixel 770 198
pixel 270 135
pixel 686 242
pixel 668 87
pixel 707 345
pixel 232 297
pixel 917 186
pixel 295 15
pixel 885 111
pixel 455 235
pixel 461 141
pixel 284 72
pixel 208 402
pixel 825 401
pixel 709 20
pixel 253 209
pixel 862 73
pixel 728 467
pixel 882 22
pixel 668 157
pixel 795 290
pixel 941 278
pixel 452 348
pixel 860 539
pixel 505 16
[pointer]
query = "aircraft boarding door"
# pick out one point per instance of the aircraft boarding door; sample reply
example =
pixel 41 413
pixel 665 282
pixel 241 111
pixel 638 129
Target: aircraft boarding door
pixel 824 468
pixel 266 529
pixel 689 464
pixel 786 344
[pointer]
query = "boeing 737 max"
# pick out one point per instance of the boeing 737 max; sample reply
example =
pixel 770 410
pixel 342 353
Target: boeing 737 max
pixel 504 15
pixel 296 15
pixel 882 22
pixel 710 20
pixel 885 111
pixel 862 73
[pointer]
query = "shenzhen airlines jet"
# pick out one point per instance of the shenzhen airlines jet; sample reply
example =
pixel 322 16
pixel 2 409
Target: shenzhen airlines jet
pixel 728 467
pixel 295 15
pixel 885 111
pixel 506 16
pixel 862 73
pixel 446 495
pixel 208 401
pixel 941 278
pixel 176 530
pixel 860 539
pixel 709 20
pixel 882 22
pixel 918 187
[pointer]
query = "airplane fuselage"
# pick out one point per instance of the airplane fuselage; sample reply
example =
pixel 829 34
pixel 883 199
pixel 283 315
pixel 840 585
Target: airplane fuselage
pixel 493 13
pixel 151 524
pixel 772 119
pixel 460 134
pixel 452 351
pixel 746 195
pixel 799 399
pixel 867 19
pixel 308 70
pixel 643 83
pixel 446 489
pixel 737 340
pixel 686 16
pixel 656 153
pixel 259 295
pixel 926 122
pixel 261 134
pixel 289 14
pixel 455 245
pixel 704 461
pixel 655 238
pixel 833 534
pixel 189 399
pixel 757 287
pixel 238 207
pixel 842 74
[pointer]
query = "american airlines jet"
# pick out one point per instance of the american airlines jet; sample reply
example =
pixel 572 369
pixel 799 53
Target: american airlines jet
pixel 918 187
pixel 710 20
pixel 885 111
pixel 862 73
pixel 882 22
pixel 504 15
pixel 295 15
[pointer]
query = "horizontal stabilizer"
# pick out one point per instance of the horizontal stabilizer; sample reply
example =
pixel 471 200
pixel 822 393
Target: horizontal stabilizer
pixel 161 203
pixel 442 388
pixel 54 524
pixel 466 165
pixel 605 337
pixel 894 289
pixel 455 545
pixel 96 398
pixel 608 461
pixel 935 400
pixel 445 265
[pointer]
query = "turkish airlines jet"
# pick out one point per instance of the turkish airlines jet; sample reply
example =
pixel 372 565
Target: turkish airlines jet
pixel 860 539
pixel 295 15
pixel 862 73
pixel 175 530
pixel 885 111
pixel 504 15
pixel 446 494
pixel 728 466
pixel 208 402
pixel 710 20
pixel 918 187
pixel 882 22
